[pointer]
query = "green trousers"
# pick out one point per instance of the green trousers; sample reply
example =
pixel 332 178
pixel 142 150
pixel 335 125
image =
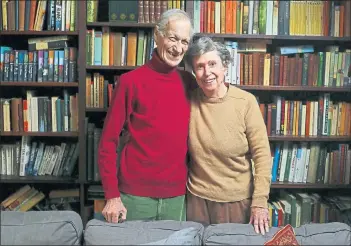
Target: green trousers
pixel 146 208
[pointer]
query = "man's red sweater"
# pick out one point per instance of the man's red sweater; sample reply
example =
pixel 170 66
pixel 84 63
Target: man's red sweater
pixel 151 101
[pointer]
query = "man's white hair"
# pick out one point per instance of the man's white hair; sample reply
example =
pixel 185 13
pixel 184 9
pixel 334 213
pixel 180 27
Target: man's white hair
pixel 172 14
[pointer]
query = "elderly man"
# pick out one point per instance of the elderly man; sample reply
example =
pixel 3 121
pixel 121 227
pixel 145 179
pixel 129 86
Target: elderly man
pixel 152 102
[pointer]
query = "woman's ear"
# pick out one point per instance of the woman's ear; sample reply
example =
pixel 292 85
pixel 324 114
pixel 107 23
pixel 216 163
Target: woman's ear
pixel 225 69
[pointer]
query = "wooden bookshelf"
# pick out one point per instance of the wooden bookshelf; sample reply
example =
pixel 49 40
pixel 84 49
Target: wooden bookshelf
pixel 275 37
pixel 311 138
pixel 96 110
pixel 39 33
pixel 37 179
pixel 17 40
pixel 288 185
pixel 295 88
pixel 98 113
pixel 285 185
pixel 38 84
pixel 40 134
pixel 120 24
pixel 95 67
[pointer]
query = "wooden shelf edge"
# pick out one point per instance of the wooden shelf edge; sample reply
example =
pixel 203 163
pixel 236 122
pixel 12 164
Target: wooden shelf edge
pixel 37 179
pixel 40 134
pixel 239 36
pixel 96 109
pixel 287 185
pixel 39 33
pixel 311 138
pixel 95 67
pixel 274 37
pixel 120 24
pixel 39 84
pixel 278 185
pixel 294 88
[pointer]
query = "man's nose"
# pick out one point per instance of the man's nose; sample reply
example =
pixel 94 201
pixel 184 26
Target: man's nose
pixel 178 47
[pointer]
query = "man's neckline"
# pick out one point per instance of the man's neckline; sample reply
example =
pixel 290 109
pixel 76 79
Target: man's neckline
pixel 158 65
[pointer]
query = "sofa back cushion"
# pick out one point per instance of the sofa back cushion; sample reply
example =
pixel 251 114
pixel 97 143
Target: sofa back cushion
pixel 165 232
pixel 311 234
pixel 41 228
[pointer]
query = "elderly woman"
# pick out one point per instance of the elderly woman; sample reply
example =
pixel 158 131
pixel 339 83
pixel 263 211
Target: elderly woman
pixel 226 130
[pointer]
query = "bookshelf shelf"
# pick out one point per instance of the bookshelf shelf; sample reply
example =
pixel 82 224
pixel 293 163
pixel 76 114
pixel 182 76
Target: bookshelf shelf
pixel 275 37
pixel 120 24
pixel 311 138
pixel 280 185
pixel 39 33
pixel 95 67
pixel 96 109
pixel 37 179
pixel 287 185
pixel 38 84
pixel 40 134
pixel 294 88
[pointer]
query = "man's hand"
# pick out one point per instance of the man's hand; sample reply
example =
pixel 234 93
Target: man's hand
pixel 114 211
pixel 260 219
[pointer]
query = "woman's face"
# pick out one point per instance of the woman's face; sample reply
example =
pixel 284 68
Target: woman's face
pixel 209 72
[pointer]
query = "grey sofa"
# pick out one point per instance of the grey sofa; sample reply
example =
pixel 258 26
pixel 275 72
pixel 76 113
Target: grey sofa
pixel 65 228
pixel 41 228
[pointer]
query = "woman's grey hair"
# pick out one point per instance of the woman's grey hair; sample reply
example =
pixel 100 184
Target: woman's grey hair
pixel 204 45
pixel 173 14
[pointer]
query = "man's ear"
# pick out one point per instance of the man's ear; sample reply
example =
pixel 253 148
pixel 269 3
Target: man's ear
pixel 156 33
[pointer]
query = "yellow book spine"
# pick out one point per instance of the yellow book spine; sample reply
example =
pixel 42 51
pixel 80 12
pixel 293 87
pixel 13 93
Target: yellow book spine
pixel 105 46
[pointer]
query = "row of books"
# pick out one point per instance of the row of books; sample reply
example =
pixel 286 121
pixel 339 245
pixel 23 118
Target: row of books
pixel 311 163
pixel 93 133
pixel 42 65
pixel 300 208
pixel 322 117
pixel 29 198
pixel 30 157
pixel 142 11
pixel 109 48
pixel 297 66
pixel 150 11
pixel 31 15
pixel 99 90
pixel 312 18
pixel 37 113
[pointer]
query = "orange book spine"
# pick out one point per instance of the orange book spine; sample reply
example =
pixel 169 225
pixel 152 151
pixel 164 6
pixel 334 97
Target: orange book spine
pixel 223 19
pixel 341 21
pixel 235 7
pixel 213 16
pixel 229 17
pixel 25 115
pixel 209 14
pixel 33 7
pixel 111 50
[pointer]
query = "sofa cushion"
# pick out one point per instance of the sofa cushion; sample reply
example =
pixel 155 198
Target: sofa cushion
pixel 165 232
pixel 311 234
pixel 41 228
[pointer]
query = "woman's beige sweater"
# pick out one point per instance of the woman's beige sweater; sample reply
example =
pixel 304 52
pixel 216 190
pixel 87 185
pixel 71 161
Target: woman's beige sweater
pixel 224 135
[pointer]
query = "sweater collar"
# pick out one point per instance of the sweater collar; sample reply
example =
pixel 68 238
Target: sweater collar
pixel 158 65
pixel 215 100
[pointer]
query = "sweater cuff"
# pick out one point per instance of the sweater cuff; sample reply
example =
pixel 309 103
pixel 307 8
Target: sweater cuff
pixel 111 191
pixel 259 202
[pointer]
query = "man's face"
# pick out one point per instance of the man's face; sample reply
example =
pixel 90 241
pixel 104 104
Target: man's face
pixel 172 46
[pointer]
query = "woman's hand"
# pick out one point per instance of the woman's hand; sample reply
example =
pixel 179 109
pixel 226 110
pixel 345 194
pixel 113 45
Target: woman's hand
pixel 260 219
